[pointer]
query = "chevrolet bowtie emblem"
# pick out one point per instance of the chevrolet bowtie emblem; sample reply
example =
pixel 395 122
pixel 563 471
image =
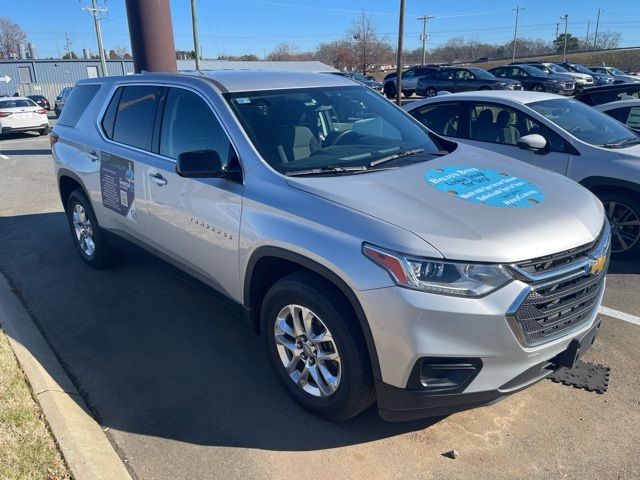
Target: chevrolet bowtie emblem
pixel 595 265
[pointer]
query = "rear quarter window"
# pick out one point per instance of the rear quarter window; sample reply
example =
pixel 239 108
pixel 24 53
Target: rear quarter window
pixel 76 104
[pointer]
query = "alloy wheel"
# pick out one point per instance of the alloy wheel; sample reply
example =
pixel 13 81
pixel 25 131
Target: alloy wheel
pixel 625 226
pixel 84 230
pixel 307 351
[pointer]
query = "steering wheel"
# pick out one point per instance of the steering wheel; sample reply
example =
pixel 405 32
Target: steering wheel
pixel 341 136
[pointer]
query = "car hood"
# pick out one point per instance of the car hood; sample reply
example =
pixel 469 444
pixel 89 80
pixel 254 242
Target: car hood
pixel 561 76
pixel 582 76
pixel 568 216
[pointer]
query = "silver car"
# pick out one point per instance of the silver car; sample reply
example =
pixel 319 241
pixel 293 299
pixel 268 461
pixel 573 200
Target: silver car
pixel 618 75
pixel 379 261
pixel 553 132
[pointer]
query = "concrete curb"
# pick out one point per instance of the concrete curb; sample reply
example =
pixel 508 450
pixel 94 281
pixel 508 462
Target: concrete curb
pixel 84 445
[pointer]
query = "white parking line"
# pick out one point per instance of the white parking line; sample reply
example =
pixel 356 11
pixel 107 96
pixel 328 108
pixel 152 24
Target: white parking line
pixel 610 312
pixel 4 157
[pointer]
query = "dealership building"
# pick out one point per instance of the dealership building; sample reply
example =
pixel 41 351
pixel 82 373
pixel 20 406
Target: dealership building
pixel 49 76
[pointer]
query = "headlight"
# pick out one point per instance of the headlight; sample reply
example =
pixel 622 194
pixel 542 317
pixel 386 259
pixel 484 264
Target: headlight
pixel 437 276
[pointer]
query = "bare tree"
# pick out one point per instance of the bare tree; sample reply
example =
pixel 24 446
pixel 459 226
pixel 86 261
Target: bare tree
pixel 287 51
pixel 368 49
pixel 337 53
pixel 608 39
pixel 11 34
pixel 120 52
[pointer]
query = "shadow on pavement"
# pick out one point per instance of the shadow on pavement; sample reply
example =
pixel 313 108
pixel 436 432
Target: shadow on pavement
pixel 153 355
pixel 34 151
pixel 626 266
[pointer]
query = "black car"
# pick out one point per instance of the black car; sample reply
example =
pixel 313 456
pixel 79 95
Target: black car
pixel 41 100
pixel 608 93
pixel 534 79
pixel 457 79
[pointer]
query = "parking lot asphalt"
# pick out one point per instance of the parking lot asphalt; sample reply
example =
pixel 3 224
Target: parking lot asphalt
pixel 184 390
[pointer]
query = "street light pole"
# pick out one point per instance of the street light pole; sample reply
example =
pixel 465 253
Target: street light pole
pixel 399 55
pixel 565 17
pixel 515 33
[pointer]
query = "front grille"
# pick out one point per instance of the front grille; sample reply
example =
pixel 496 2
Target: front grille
pixel 551 310
pixel 563 292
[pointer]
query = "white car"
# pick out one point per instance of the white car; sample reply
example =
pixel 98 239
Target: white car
pixel 625 111
pixel 552 132
pixel 20 114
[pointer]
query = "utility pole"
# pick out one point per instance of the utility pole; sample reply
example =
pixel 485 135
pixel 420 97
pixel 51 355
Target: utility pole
pixel 399 55
pixel 98 14
pixel 586 39
pixel 425 19
pixel 196 35
pixel 595 37
pixel 565 17
pixel 515 33
pixel 557 31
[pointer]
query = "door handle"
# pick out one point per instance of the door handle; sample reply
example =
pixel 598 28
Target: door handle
pixel 93 156
pixel 158 179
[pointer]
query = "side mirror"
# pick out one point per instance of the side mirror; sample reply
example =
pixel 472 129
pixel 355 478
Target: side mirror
pixel 534 143
pixel 200 164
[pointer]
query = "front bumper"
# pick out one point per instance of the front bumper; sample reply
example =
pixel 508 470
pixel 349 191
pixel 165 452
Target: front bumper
pixel 408 325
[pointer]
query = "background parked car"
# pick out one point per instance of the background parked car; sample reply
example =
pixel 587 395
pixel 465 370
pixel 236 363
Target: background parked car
pixel 609 93
pixel 455 79
pixel 625 111
pixel 410 79
pixel 358 77
pixel 598 78
pixel 555 133
pixel 537 80
pixel 41 100
pixel 618 75
pixel 21 114
pixel 582 80
pixel 61 99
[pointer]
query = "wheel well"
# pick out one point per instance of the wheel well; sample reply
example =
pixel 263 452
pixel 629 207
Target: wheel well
pixel 277 263
pixel 67 185
pixel 601 189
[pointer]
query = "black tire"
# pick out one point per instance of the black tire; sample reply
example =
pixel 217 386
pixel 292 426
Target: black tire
pixel 43 131
pixel 408 93
pixel 630 234
pixel 485 87
pixel 389 90
pixel 57 112
pixel 538 87
pixel 430 92
pixel 104 255
pixel 355 392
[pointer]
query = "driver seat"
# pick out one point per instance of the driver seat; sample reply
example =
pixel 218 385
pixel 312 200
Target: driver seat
pixel 296 142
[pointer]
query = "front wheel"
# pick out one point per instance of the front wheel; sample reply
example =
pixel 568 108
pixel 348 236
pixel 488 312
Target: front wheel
pixel 408 93
pixel 87 236
pixel 537 88
pixel 430 92
pixel 316 346
pixel 623 212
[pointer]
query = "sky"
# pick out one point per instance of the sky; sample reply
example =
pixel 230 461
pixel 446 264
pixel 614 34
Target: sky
pixel 236 27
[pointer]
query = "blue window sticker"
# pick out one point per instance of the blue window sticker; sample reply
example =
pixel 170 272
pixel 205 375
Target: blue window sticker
pixel 487 187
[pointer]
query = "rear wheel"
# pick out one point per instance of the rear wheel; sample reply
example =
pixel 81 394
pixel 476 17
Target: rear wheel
pixel 389 90
pixel 87 236
pixel 44 131
pixel 316 346
pixel 623 212
pixel 408 93
pixel 430 92
pixel 538 87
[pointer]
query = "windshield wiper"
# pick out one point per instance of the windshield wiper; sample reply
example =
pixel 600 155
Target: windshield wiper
pixel 395 156
pixel 326 171
pixel 626 141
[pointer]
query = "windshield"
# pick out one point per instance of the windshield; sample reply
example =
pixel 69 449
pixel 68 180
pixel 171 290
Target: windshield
pixel 583 122
pixel 17 103
pixel 615 71
pixel 535 71
pixel 480 73
pixel 557 68
pixel 326 127
pixel 581 69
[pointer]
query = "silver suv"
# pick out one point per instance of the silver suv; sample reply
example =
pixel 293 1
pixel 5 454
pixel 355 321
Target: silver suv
pixel 379 261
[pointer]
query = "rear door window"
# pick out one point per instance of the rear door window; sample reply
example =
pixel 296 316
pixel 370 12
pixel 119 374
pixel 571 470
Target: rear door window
pixel 630 116
pixel 135 115
pixel 443 119
pixel 77 103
